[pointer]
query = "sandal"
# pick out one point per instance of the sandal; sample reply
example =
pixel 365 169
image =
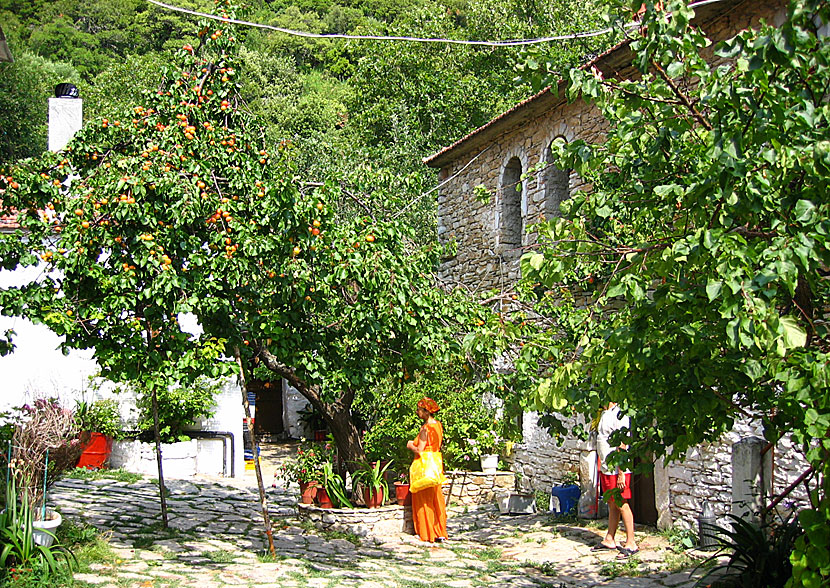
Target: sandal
pixel 625 553
pixel 603 547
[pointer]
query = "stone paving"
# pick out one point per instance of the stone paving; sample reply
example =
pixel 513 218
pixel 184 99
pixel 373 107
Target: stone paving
pixel 216 539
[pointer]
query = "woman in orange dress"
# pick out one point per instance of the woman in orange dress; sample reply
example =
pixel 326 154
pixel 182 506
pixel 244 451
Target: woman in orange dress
pixel 428 509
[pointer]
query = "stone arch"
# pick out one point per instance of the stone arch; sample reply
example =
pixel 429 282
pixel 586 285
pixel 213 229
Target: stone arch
pixel 556 181
pixel 511 206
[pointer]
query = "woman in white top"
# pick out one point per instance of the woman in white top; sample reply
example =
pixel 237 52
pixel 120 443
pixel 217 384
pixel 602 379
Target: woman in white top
pixel 614 477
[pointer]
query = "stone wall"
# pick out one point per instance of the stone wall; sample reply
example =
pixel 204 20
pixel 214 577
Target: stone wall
pixel 384 521
pixel 468 488
pixel 704 474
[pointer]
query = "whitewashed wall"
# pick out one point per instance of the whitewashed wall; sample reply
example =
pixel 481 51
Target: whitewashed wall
pixel 38 369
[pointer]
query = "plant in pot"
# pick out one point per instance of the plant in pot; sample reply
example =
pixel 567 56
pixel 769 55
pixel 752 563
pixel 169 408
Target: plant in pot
pixel 486 445
pixel 402 494
pixel 313 422
pixel 333 491
pixel 26 547
pixel 306 468
pixel 371 478
pixel 44 445
pixel 99 423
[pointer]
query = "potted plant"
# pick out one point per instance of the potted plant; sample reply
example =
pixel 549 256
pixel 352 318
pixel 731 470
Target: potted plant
pixel 44 445
pixel 487 445
pixel 100 423
pixel 402 494
pixel 333 491
pixel 314 423
pixel 371 477
pixel 306 468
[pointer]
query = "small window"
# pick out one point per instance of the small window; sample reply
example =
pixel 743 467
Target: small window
pixel 556 186
pixel 510 210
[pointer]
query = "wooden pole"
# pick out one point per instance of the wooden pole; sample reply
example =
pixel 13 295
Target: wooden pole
pixel 158 455
pixel 250 430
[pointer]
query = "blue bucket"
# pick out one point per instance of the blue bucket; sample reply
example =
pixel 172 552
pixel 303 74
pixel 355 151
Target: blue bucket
pixel 567 497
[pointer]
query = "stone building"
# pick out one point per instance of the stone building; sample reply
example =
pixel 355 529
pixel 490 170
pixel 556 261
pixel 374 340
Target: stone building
pixel 488 236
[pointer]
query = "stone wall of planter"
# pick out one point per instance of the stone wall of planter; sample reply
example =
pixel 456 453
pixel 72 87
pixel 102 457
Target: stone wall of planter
pixel 469 488
pixel 363 522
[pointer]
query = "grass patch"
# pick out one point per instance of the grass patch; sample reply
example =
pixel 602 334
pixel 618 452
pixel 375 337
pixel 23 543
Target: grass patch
pixel 118 475
pixel 265 557
pixel 220 556
pixel 146 536
pixel 547 568
pixel 627 567
pixel 350 537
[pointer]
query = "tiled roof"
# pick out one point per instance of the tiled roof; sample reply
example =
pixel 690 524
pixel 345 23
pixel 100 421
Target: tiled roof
pixel 527 108
pixel 608 63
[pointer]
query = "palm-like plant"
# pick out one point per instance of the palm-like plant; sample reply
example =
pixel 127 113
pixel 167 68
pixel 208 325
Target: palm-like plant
pixel 370 476
pixel 758 556
pixel 17 545
pixel 335 487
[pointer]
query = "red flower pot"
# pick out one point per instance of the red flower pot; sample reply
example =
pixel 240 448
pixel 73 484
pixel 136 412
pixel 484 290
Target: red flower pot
pixel 96 450
pixel 402 494
pixel 308 490
pixel 323 499
pixel 373 499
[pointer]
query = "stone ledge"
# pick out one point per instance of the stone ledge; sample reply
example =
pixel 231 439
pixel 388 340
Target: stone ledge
pixel 363 522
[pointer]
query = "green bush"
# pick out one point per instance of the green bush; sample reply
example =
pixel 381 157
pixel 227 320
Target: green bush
pixel 178 409
pixel 102 416
pixel 391 418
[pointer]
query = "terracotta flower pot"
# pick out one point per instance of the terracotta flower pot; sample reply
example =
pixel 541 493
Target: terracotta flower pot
pixel 402 494
pixel 322 498
pixel 308 490
pixel 373 499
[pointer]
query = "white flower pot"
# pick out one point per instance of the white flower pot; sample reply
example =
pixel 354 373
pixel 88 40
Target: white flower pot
pixel 490 463
pixel 53 520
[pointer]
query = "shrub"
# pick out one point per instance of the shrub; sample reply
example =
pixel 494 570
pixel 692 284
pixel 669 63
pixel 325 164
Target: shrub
pixel 44 443
pixel 102 416
pixel 392 421
pixel 178 409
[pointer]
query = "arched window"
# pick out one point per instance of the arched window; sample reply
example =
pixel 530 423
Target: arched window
pixel 510 210
pixel 556 186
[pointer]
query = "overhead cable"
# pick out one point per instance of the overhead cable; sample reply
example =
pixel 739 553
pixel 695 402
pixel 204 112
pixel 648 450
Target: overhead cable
pixel 506 43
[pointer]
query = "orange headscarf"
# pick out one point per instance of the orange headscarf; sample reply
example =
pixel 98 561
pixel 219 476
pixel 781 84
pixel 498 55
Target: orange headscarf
pixel 428 404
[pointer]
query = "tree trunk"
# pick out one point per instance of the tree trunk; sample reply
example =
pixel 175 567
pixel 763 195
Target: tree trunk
pixel 338 413
pixel 338 416
pixel 159 460
pixel 263 501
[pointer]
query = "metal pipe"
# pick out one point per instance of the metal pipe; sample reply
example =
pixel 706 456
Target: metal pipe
pixel 226 436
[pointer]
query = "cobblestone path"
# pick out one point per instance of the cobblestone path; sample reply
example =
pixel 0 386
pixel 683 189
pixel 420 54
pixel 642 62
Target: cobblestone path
pixel 217 540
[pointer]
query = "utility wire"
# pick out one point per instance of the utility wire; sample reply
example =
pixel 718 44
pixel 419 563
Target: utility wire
pixel 508 43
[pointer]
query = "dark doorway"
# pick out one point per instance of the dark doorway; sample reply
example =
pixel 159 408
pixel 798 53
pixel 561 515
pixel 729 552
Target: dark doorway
pixel 642 499
pixel 268 423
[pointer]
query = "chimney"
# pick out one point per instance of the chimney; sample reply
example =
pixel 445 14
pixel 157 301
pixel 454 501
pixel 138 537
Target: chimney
pixel 65 116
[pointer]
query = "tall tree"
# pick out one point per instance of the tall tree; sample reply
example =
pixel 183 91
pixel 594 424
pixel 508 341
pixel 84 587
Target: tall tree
pixel 180 206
